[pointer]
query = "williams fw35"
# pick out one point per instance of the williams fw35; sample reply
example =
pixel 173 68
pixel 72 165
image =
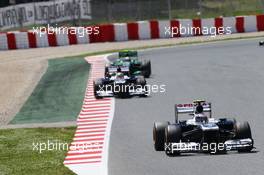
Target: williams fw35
pixel 201 133
pixel 120 85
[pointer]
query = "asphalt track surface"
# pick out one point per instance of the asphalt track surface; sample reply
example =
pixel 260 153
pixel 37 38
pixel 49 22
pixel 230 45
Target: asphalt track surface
pixel 229 74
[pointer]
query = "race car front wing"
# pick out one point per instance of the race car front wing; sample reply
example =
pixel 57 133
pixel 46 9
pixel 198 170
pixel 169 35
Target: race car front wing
pixel 192 147
pixel 132 92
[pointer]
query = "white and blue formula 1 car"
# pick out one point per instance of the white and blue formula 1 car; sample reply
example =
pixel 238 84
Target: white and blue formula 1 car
pixel 201 133
pixel 120 84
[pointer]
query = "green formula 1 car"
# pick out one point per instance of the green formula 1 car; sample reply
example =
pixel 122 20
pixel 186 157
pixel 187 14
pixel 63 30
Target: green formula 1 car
pixel 129 59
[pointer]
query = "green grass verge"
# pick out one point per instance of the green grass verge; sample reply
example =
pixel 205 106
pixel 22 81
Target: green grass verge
pixel 59 94
pixel 18 157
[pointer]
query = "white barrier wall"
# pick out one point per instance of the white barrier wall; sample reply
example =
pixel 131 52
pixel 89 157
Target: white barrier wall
pixel 131 31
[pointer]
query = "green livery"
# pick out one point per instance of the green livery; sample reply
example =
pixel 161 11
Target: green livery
pixel 129 58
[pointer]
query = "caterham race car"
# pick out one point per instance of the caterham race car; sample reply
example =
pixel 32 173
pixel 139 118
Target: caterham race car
pixel 130 59
pixel 201 133
pixel 120 85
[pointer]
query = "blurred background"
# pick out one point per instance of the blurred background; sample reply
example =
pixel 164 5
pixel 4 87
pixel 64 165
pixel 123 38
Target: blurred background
pixel 24 14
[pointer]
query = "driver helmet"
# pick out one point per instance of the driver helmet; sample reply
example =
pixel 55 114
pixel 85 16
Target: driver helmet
pixel 199 109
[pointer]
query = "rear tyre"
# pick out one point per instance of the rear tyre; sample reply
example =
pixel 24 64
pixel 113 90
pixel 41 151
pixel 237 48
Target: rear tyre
pixel 173 134
pixel 146 69
pixel 261 43
pixel 243 131
pixel 159 135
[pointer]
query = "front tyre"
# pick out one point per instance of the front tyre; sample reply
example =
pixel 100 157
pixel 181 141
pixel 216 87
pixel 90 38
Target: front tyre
pixel 141 81
pixel 173 134
pixel 98 84
pixel 243 131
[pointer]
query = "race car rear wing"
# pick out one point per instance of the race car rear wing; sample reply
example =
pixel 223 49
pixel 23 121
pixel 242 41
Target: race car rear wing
pixel 127 53
pixel 190 108
pixel 113 69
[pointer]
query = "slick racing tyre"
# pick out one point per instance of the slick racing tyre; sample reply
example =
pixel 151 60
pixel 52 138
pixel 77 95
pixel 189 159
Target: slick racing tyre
pixel 173 134
pixel 106 72
pixel 159 135
pixel 261 43
pixel 146 69
pixel 141 81
pixel 243 131
pixel 97 86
